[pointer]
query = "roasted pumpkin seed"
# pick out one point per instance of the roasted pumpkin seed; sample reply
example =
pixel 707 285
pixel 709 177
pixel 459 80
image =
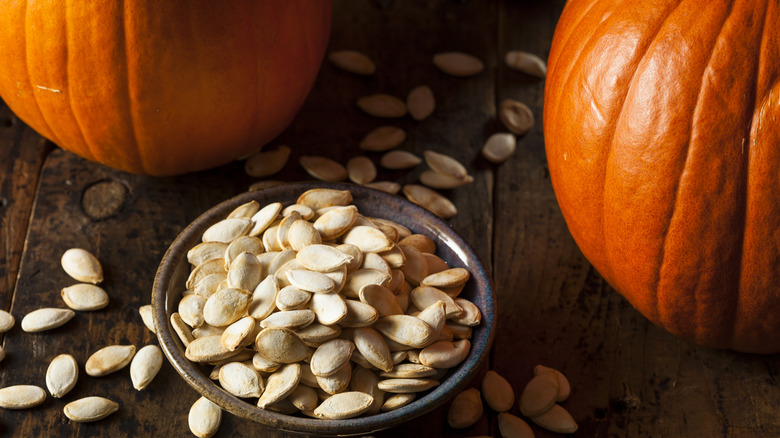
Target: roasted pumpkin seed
pixel 89 409
pixel 81 265
pixel 421 102
pixel 109 359
pixel 62 375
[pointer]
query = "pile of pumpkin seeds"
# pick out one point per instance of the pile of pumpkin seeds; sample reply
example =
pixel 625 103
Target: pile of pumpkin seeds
pixel 63 371
pixel 315 308
pixel 444 172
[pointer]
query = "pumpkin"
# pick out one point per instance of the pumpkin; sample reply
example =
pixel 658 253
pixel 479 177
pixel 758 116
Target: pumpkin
pixel 160 87
pixel 662 135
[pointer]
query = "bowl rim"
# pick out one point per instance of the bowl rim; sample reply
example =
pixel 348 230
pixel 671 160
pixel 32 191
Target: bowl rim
pixel 172 347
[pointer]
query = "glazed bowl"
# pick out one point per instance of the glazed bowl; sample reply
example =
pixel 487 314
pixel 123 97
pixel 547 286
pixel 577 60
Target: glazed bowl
pixel 451 247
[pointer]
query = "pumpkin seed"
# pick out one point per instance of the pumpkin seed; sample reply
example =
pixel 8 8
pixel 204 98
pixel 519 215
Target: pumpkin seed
pixel 361 170
pixel 227 230
pixel 424 296
pixel 344 405
pixel 368 239
pixel 409 371
pixel 512 426
pixel 311 281
pixel 421 102
pixel 331 356
pixel 406 385
pixel 381 299
pixel 319 198
pixel 209 267
pixel 291 319
pixel 21 396
pixel 317 333
pixel 445 165
pixel 204 418
pixel 458 63
pixel 498 392
pixel 302 234
pixel 516 116
pixel 280 345
pixel 226 306
pixel 89 409
pixel 264 365
pixel 6 321
pixel 243 244
pixel 323 168
pixel 361 278
pixel 236 334
pixel 372 260
pixel 245 272
pixel 539 395
pixel 207 349
pixel 352 61
pixel 364 380
pixel 322 258
pixel 398 160
pixel 385 186
pixel 205 251
pixel 396 401
pixel 46 319
pixel 245 210
pixel 85 297
pixel 264 218
pixel 82 266
pixel 304 398
pixel 240 380
pixel 291 298
pixel 191 309
pixel 444 354
pixel 435 316
pixel 206 330
pixel 406 330
pixel 283 232
pixel 471 315
pixel 328 308
pixel 465 410
pixel 109 359
pixel 383 138
pixel 336 382
pixel 182 329
pixel 430 200
pixel 382 105
pixel 263 298
pixel 304 210
pixel 422 242
pixel 459 331
pixel 62 375
pixel 209 284
pixel 448 278
pixel 556 419
pixel 145 366
pixel 564 388
pixel 373 348
pixel 266 163
pixel 336 222
pixel 499 147
pixel 435 265
pixel 526 63
pixel 438 180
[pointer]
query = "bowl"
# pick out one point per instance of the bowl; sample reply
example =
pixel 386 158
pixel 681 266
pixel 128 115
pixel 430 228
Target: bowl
pixel 174 269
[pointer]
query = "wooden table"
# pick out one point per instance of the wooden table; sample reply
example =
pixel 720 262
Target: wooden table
pixel 628 377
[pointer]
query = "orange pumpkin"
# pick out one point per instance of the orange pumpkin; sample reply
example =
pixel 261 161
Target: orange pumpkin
pixel 662 131
pixel 160 87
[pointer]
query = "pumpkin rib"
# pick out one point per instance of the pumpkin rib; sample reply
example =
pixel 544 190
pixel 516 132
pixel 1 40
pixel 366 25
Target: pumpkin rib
pixel 653 312
pixel 137 149
pixel 565 42
pixel 52 134
pixel 668 320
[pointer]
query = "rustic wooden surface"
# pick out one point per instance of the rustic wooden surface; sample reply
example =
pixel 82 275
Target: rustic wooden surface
pixel 629 379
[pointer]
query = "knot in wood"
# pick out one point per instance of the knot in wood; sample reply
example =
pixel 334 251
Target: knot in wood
pixel 103 199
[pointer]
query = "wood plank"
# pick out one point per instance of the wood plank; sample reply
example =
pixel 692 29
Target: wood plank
pixel 629 378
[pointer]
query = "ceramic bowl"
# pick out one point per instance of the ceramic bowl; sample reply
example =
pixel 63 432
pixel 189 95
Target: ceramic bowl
pixel 174 269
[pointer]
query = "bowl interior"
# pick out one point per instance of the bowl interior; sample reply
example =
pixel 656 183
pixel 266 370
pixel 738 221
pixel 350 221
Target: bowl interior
pixel 174 269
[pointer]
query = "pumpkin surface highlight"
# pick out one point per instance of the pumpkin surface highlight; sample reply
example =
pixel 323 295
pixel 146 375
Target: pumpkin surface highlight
pixel 160 87
pixel 662 132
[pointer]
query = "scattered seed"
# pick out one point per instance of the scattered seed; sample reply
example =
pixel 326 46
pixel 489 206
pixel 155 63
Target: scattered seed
pixel 539 395
pixel 62 375
pixel 445 164
pixel 46 319
pixel 526 63
pixel 385 186
pixel 266 163
pixel 458 64
pixel 6 321
pixel 512 426
pixel 145 366
pixel 352 61
pixel 109 359
pixel 397 160
pixel 361 170
pixel 383 138
pixel 21 396
pixel 81 265
pixel 421 102
pixel 438 180
pixel 516 116
pixel 499 147
pixel 382 105
pixel 204 418
pixel 556 419
pixel 498 392
pixel 430 200
pixel 465 410
pixel 564 388
pixel 89 409
pixel 323 168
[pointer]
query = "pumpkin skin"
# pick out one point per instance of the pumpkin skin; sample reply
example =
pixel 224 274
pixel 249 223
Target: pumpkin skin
pixel 160 87
pixel 662 132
